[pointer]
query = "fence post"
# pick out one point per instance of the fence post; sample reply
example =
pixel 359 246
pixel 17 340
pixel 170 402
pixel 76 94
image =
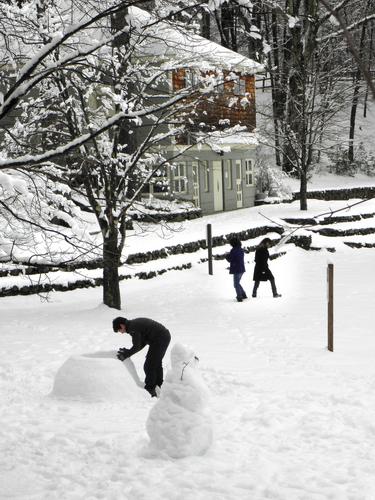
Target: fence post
pixel 209 248
pixel 330 306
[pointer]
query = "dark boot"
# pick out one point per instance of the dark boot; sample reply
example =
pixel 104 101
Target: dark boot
pixel 274 289
pixel 152 392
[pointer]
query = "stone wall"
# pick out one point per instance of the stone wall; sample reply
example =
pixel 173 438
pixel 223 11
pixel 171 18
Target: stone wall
pixel 142 257
pixel 340 194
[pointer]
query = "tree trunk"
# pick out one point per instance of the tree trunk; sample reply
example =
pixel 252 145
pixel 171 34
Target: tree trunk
pixel 228 25
pixel 370 56
pixel 303 191
pixel 111 284
pixel 206 25
pixel 353 113
pixel 357 86
pixel 248 19
pixel 277 88
pixel 122 139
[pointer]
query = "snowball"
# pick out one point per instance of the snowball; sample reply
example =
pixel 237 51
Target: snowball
pixel 179 424
pixel 98 376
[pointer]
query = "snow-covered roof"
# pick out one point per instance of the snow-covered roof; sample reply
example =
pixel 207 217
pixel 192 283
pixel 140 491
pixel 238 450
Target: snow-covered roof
pixel 180 47
pixel 221 141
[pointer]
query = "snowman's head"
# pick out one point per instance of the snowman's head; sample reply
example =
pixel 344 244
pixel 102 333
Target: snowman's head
pixel 182 355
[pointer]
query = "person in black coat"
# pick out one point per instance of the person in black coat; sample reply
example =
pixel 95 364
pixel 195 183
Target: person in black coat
pixel 237 267
pixel 261 270
pixel 145 331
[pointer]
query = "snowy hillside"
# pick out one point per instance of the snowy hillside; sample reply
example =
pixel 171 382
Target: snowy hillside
pixel 290 420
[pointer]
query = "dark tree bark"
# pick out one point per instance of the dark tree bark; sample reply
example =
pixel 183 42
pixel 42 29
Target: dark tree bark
pixel 124 141
pixel 227 23
pixel 111 262
pixel 356 91
pixel 370 58
pixel 206 25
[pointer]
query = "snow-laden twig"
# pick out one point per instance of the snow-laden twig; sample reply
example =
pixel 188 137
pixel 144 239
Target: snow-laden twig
pixel 84 138
pixel 291 230
pixel 351 44
pixel 348 207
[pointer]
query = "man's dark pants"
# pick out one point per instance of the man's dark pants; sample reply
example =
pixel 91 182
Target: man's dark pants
pixel 153 366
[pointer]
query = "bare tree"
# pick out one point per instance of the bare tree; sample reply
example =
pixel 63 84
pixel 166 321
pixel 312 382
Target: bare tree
pixel 304 45
pixel 90 109
pixel 355 50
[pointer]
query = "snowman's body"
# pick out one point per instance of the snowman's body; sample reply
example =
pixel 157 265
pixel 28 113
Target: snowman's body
pixel 179 424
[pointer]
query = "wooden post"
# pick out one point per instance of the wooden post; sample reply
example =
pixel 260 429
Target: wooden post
pixel 209 247
pixel 330 306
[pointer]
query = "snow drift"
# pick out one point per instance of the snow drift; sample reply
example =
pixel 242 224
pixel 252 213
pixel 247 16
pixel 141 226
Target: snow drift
pixel 97 376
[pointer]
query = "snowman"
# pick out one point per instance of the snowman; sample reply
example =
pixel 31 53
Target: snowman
pixel 179 424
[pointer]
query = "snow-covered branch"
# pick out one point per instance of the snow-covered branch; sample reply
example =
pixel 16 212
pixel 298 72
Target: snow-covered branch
pixel 351 27
pixel 345 30
pixel 84 138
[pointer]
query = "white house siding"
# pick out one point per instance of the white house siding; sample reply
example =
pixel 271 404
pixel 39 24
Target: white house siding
pixel 229 192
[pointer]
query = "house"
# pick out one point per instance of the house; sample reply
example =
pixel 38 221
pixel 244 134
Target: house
pixel 211 163
pixel 214 167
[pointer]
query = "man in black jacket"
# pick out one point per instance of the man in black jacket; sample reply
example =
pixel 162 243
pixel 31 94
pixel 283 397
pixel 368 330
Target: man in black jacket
pixel 145 331
pixel 261 270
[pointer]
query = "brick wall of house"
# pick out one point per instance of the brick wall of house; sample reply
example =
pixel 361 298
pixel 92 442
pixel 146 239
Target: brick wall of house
pixel 178 79
pixel 222 105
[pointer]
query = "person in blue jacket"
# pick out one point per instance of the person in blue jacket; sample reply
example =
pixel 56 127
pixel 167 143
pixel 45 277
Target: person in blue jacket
pixel 236 258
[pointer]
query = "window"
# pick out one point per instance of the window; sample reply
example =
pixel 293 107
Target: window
pixel 179 177
pixel 239 86
pixel 191 79
pixel 206 175
pixel 220 88
pixel 249 172
pixel 228 174
pixel 159 182
pixel 238 171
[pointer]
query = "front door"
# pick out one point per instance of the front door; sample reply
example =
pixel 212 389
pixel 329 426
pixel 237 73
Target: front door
pixel 195 184
pixel 239 183
pixel 217 185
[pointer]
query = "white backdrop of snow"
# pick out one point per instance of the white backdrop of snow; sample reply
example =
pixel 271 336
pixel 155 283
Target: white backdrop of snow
pixel 292 421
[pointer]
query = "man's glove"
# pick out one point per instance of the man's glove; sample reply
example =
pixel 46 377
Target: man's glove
pixel 122 353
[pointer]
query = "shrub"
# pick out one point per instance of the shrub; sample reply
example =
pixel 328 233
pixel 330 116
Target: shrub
pixel 271 180
pixel 364 161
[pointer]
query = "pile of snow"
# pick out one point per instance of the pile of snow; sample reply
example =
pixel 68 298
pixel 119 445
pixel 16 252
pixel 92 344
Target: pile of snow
pixel 179 424
pixel 97 376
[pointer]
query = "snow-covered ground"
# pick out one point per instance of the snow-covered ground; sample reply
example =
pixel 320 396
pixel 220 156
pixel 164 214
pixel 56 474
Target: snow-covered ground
pixel 326 180
pixel 290 420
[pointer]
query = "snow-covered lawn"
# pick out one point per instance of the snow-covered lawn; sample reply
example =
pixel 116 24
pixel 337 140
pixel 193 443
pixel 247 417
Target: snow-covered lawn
pixel 291 420
pixel 325 180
